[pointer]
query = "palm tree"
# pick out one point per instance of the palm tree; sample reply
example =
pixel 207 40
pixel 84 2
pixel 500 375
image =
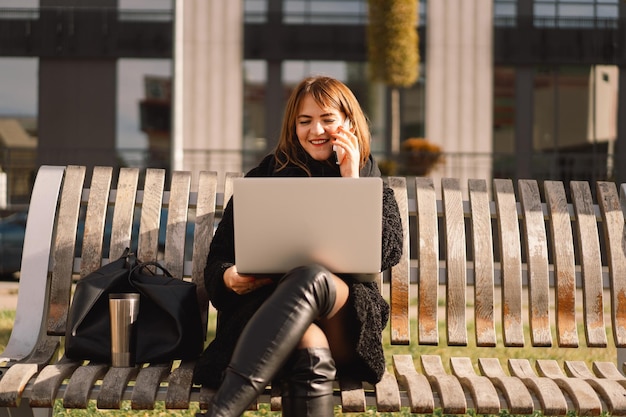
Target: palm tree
pixel 393 52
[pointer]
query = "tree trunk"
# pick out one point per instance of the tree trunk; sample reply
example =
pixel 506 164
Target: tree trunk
pixel 395 121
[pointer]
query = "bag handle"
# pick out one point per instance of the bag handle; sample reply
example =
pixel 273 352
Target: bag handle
pixel 139 266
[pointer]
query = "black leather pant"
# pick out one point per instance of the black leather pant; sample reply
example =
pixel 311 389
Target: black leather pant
pixel 302 296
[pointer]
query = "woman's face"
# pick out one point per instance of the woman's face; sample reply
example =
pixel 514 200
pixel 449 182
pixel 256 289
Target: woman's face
pixel 313 127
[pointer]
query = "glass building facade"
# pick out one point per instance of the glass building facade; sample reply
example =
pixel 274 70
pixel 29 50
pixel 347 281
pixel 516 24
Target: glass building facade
pixel 569 50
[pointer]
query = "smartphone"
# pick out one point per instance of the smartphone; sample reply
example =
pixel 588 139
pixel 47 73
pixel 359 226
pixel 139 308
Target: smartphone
pixel 340 153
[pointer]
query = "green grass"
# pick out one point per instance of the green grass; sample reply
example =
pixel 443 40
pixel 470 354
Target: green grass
pixel 7 318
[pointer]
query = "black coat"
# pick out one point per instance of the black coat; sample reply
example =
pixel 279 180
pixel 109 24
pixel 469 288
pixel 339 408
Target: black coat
pixel 369 310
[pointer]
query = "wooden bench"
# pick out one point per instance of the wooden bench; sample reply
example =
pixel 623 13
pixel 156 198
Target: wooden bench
pixel 532 270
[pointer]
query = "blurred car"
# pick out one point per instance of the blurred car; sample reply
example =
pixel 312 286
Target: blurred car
pixel 13 229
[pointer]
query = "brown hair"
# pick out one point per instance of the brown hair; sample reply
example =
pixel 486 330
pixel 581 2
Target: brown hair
pixel 327 93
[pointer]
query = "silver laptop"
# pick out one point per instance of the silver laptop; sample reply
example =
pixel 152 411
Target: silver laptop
pixel 282 223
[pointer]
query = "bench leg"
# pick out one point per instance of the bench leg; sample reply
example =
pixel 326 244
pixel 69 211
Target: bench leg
pixel 25 411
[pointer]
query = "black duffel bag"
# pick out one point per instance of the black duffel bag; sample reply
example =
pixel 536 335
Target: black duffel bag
pixel 169 324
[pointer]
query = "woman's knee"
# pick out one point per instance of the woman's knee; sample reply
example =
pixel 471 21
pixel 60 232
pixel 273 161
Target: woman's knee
pixel 313 282
pixel 314 337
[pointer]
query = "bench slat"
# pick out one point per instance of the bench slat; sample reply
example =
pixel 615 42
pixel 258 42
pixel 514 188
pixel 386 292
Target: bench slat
pixel 400 274
pixel 276 401
pixel 511 263
pixel 610 389
pixel 179 386
pixel 517 395
pixel 65 242
pixel 147 384
pixel 537 259
pixel 483 392
pixel 590 262
pixel 387 394
pixel 151 215
pixel 552 400
pixel 48 381
pixel 482 246
pixel 204 398
pixel 604 370
pixel 584 397
pixel 177 223
pixel 123 212
pixel 564 264
pixel 418 389
pixel 113 386
pixel 352 396
pixel 447 386
pixel 202 237
pixel 14 381
pixel 228 185
pixel 428 254
pixel 614 232
pixel 30 312
pixel 81 383
pixel 456 269
pixel 95 218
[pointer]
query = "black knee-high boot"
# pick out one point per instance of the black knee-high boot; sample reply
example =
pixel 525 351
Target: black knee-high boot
pixel 308 384
pixel 302 296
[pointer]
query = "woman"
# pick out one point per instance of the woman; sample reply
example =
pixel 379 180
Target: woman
pixel 301 328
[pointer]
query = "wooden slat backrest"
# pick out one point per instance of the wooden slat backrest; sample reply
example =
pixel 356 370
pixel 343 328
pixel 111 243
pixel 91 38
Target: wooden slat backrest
pixel 203 235
pixel 127 201
pixel 454 225
pixel 123 211
pixel 178 206
pixel 482 244
pixel 63 252
pixel 93 236
pixel 510 262
pixel 537 261
pixel 400 288
pixel 148 245
pixel 547 231
pixel 564 263
pixel 613 224
pixel 590 262
pixel 228 185
pixel 428 255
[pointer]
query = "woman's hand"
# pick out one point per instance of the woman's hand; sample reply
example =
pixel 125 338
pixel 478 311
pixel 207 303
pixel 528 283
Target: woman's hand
pixel 346 140
pixel 243 284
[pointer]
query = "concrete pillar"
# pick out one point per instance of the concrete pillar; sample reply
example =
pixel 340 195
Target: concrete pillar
pixel 77 103
pixel 208 85
pixel 77 118
pixel 524 98
pixel 459 86
pixel 524 112
pixel 274 104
